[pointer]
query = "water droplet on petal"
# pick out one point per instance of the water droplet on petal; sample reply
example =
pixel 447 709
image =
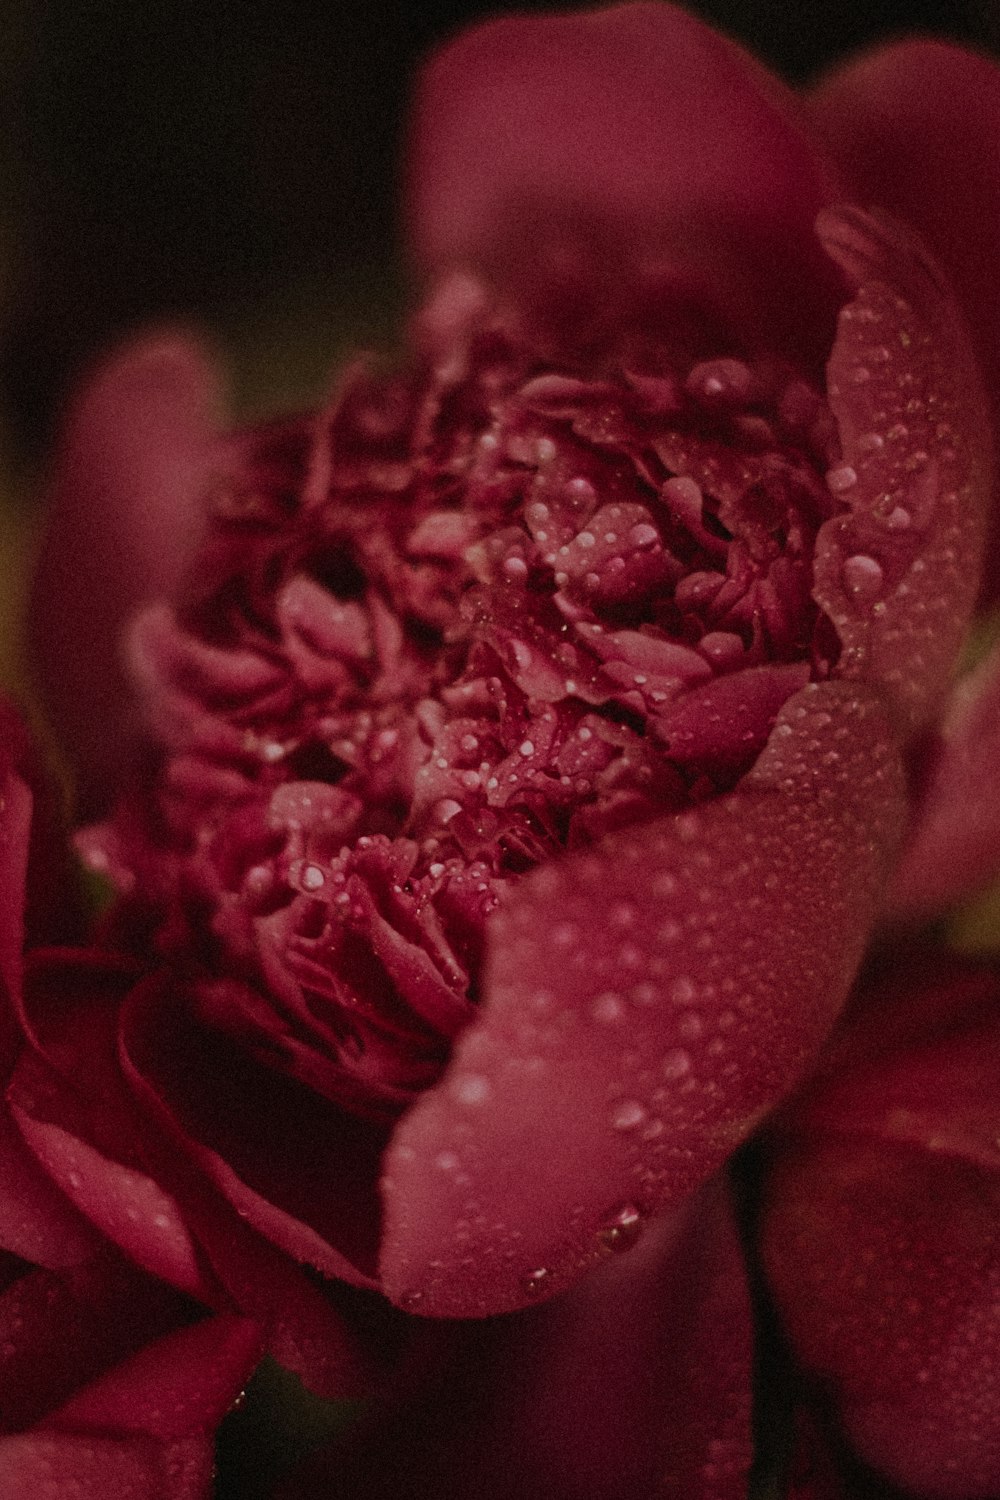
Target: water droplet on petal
pixel 676 1063
pixel 620 1228
pixel 863 577
pixel 841 479
pixel 607 1008
pixel 472 1088
pixel 627 1114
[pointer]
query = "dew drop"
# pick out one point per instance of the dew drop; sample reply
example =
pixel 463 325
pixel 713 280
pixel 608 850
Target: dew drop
pixel 682 991
pixel 620 1228
pixel 841 479
pixel 607 1008
pixel 313 878
pixel 472 1089
pixel 863 577
pixel 676 1063
pixel 627 1114
pixel 533 1285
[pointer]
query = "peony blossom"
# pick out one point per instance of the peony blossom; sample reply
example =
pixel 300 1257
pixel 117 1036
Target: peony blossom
pixel 520 751
pixel 879 1227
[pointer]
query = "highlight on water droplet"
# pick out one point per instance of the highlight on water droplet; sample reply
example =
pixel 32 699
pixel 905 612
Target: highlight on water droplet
pixel 627 1114
pixel 619 1228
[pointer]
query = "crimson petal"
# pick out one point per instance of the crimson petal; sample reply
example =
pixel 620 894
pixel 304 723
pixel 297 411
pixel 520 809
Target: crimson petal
pixel 646 1002
pixel 955 847
pixel 640 130
pixel 72 1109
pixel 125 497
pixel 900 573
pixel 635 1382
pixel 914 127
pixel 879 1228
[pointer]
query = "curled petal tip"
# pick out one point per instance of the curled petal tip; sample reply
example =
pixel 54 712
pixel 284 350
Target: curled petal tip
pixel 899 574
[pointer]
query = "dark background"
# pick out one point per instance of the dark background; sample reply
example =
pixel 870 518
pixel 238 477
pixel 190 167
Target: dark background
pixel 236 165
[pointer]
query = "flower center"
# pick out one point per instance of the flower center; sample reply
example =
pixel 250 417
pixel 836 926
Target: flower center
pixel 484 612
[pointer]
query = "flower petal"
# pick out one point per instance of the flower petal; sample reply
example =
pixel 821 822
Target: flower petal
pixel 899 574
pixel 60 1331
pixel 184 1383
pixel 71 1108
pixel 955 847
pixel 879 1226
pixel 914 127
pixel 720 942
pixel 635 1382
pixel 244 1125
pixel 635 132
pixel 883 1262
pixel 36 1220
pixel 52 1465
pixel 136 456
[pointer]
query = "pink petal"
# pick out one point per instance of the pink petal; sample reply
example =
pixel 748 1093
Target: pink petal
pixel 955 847
pixel 647 1001
pixel 244 1124
pixel 72 1110
pixel 637 133
pixel 200 1094
pixel 914 127
pixel 60 1331
pixel 51 1466
pixel 879 1229
pixel 900 574
pixel 883 1262
pixel 182 1384
pixel 36 1221
pixel 125 512
pixel 15 825
pixel 636 1382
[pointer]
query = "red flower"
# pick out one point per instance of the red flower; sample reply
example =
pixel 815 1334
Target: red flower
pixel 527 735
pixel 879 1227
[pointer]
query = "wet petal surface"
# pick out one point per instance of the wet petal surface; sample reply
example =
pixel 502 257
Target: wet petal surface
pixel 646 1001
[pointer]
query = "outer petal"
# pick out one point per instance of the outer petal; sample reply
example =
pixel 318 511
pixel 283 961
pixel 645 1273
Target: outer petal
pixel 60 1331
pixel 69 1102
pixel 36 1220
pixel 244 1125
pixel 879 1231
pixel 76 1111
pixel 646 1002
pixel 899 574
pixel 955 847
pixel 636 1382
pixel 134 462
pixel 638 131
pixel 914 127
pixel 143 1430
